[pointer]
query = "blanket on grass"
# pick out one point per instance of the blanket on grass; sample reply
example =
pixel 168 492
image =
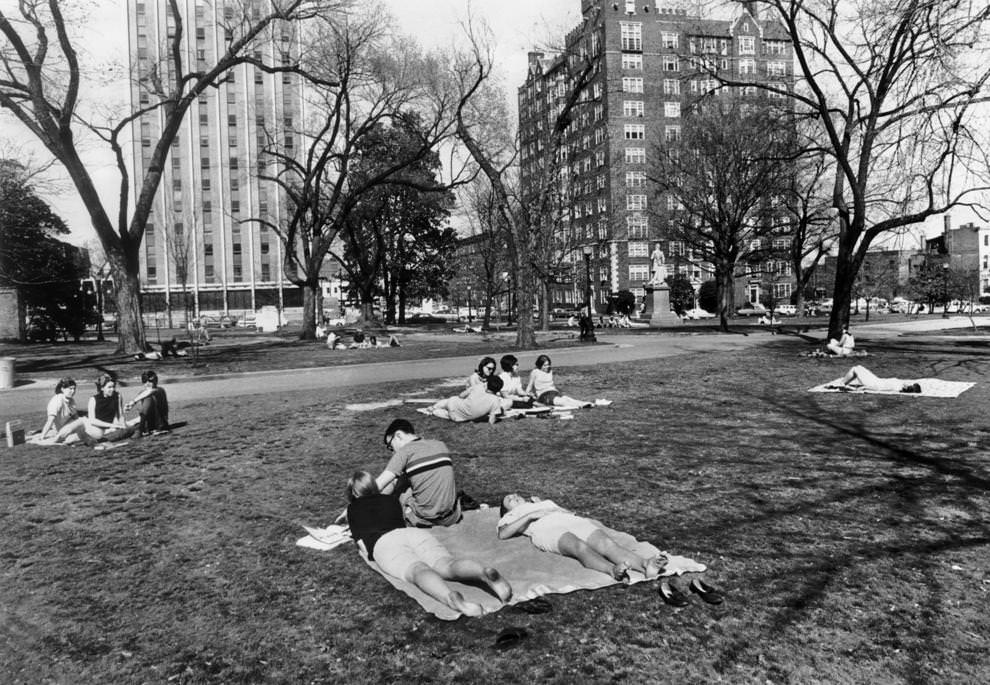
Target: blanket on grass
pixel 930 387
pixel 531 572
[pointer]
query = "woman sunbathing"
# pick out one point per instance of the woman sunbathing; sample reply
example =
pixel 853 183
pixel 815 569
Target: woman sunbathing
pixel 63 423
pixel 473 404
pixel 413 554
pixel 859 377
pixel 554 529
pixel 542 387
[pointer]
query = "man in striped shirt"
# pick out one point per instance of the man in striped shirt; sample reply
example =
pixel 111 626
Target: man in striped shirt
pixel 422 473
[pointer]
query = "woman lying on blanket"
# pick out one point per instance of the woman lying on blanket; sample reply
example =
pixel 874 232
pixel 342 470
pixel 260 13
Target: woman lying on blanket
pixel 541 386
pixel 554 529
pixel 473 404
pixel 860 377
pixel 413 554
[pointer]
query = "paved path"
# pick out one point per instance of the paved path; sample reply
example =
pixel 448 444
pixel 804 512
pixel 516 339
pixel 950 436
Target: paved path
pixel 611 349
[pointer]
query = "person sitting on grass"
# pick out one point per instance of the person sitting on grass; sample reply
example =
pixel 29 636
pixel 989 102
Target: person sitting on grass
pixel 474 404
pixel 859 377
pixel 413 554
pixel 334 341
pixel 554 529
pixel 152 404
pixel 105 416
pixel 845 346
pixel 512 388
pixel 485 370
pixel 541 386
pixel 62 423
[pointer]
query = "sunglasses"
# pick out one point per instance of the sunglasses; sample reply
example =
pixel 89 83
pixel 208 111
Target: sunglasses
pixel 388 442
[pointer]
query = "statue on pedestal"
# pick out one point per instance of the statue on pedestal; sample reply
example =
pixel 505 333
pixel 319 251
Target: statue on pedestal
pixel 657 268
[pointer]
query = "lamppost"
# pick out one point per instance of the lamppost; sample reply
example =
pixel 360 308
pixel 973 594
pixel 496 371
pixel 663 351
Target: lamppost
pixel 587 293
pixel 945 290
pixel 469 304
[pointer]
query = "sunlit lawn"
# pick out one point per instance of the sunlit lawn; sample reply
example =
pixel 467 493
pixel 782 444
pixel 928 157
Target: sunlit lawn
pixel 850 534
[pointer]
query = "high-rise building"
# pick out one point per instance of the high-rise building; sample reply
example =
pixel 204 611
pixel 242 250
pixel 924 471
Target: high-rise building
pixel 203 248
pixel 652 59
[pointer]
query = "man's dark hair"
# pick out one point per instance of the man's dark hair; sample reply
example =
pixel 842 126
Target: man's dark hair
pixel 912 388
pixel 494 384
pixel 507 362
pixel 150 376
pixel 399 425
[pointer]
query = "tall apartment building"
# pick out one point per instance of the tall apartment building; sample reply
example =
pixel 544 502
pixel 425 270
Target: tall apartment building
pixel 652 59
pixel 210 187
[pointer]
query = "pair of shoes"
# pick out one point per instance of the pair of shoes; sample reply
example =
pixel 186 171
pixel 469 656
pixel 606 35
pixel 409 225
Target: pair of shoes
pixel 671 595
pixel 706 592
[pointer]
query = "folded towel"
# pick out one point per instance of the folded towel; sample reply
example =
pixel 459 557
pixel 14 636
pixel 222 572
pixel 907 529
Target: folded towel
pixel 325 538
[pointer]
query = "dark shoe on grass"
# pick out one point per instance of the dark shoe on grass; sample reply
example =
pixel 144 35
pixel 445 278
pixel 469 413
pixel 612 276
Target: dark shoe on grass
pixel 672 596
pixel 510 637
pixel 706 592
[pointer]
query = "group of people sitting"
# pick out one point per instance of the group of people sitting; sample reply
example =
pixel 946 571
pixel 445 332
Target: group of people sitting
pixel 489 395
pixel 359 341
pixel 390 516
pixel 105 417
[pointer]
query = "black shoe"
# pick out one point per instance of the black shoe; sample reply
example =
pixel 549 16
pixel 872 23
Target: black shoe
pixel 706 592
pixel 671 595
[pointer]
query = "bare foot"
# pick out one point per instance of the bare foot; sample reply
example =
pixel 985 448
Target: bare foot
pixel 498 584
pixel 456 601
pixel 655 566
pixel 620 571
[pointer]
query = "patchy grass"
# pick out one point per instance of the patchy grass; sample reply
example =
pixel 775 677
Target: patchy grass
pixel 849 532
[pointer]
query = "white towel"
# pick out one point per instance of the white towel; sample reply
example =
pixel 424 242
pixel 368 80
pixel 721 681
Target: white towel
pixel 325 538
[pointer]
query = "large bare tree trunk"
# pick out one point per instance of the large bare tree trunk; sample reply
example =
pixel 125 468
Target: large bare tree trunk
pixel 310 298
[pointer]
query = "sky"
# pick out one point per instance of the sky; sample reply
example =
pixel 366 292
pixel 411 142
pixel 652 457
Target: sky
pixel 518 26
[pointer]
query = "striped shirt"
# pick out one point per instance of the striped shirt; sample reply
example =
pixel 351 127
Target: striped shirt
pixel 427 465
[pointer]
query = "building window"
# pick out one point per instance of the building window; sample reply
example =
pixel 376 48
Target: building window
pixel 207 250
pixel 747 66
pixel 668 40
pixel 672 110
pixel 781 291
pixel 632 84
pixel 635 155
pixel 639 249
pixel 634 131
pixel 635 179
pixel 774 47
pixel 204 163
pixel 205 183
pixel 632 36
pixel 637 227
pixel 632 108
pixel 747 45
pixel 639 272
pixel 600 158
pixel 778 92
pixel 676 248
pixel 632 61
pixel 635 203
pixel 671 134
pixel 671 86
pixel 235 206
pixel 670 63
pixel 776 69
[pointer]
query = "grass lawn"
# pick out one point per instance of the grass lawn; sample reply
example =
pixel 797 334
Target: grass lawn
pixel 849 532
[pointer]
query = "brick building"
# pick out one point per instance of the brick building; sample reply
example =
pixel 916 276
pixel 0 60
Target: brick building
pixel 652 59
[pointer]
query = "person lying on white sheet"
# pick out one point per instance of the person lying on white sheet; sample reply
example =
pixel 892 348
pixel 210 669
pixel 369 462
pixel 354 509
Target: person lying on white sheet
pixel 860 377
pixel 554 529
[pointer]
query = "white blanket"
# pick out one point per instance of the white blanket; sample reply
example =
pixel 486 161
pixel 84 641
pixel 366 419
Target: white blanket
pixel 930 387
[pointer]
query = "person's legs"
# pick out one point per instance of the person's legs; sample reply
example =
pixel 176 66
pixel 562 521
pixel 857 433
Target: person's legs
pixel 572 546
pixel 569 402
pixel 860 375
pixel 602 542
pixel 433 584
pixel 470 570
pixel 833 346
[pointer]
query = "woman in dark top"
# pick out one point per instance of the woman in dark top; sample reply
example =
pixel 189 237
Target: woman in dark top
pixel 105 417
pixel 413 554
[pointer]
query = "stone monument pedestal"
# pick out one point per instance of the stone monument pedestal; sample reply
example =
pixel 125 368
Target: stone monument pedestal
pixel 658 306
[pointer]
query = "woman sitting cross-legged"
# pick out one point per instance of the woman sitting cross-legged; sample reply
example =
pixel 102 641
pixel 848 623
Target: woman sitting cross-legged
pixel 557 530
pixel 512 387
pixel 413 554
pixel 473 404
pixel 105 419
pixel 541 386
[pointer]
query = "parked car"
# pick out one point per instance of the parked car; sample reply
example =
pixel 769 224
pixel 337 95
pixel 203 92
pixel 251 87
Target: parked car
pixel 422 318
pixel 751 309
pixel 786 310
pixel 698 313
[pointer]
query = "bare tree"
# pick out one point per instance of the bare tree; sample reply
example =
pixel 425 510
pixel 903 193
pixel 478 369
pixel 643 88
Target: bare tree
pixel 893 85
pixel 483 128
pixel 360 76
pixel 490 260
pixel 716 181
pixel 40 81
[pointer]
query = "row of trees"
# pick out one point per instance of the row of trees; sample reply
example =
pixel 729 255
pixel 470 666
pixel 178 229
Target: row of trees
pixel 883 118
